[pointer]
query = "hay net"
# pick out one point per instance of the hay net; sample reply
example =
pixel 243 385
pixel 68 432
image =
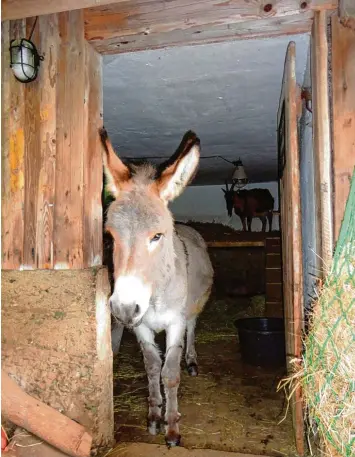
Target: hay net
pixel 328 374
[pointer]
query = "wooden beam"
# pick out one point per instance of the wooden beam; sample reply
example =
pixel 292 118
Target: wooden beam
pixel 321 137
pixel 136 25
pixel 343 102
pixel 20 9
pixel 235 244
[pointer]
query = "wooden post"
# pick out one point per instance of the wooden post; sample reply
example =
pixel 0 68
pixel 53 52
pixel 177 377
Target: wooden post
pixel 343 77
pixel 51 153
pixel 321 138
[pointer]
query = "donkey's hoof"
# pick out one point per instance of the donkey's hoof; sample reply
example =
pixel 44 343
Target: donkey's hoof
pixel 192 369
pixel 154 427
pixel 172 439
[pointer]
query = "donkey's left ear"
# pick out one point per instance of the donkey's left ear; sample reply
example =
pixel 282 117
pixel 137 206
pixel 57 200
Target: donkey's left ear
pixel 178 175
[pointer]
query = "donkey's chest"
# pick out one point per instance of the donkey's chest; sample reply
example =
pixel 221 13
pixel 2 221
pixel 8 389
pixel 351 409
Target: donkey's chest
pixel 159 319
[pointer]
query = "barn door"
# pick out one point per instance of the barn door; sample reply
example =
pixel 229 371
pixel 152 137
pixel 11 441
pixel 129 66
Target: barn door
pixel 290 217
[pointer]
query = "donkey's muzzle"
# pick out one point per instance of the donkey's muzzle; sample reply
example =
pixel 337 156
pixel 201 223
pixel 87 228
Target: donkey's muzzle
pixel 128 314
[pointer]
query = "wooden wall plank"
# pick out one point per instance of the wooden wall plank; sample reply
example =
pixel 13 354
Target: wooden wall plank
pixel 68 227
pixel 92 216
pixel 49 44
pixel 321 138
pixel 343 101
pixel 12 154
pixel 32 163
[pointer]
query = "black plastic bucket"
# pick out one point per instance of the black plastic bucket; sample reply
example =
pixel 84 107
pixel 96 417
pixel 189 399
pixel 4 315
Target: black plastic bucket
pixel 262 341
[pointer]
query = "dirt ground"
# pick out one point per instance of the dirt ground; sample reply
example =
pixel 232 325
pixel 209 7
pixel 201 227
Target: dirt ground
pixel 229 406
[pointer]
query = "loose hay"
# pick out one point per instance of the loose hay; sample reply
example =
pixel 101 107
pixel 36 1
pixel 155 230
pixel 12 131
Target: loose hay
pixel 327 374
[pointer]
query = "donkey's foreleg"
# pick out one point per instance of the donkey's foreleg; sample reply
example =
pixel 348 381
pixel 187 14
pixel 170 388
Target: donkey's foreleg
pixel 152 362
pixel 191 356
pixel 171 379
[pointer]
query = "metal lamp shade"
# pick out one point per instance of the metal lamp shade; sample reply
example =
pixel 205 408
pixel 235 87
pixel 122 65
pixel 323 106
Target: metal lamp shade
pixel 239 177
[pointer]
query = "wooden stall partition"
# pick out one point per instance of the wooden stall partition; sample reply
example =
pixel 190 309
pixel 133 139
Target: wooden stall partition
pixel 343 103
pixel 52 167
pixel 290 200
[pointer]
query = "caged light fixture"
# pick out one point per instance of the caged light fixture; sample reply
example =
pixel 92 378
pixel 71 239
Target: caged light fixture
pixel 239 177
pixel 24 58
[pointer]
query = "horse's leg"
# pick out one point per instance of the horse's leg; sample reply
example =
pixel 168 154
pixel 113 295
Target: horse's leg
pixel 263 221
pixel 152 362
pixel 171 378
pixel 269 216
pixel 243 222
pixel 249 218
pixel 191 356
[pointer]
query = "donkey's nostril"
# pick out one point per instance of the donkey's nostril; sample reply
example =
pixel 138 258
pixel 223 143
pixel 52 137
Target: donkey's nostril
pixel 136 310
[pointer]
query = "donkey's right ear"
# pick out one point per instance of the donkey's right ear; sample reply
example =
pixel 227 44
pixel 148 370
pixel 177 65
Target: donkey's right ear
pixel 116 171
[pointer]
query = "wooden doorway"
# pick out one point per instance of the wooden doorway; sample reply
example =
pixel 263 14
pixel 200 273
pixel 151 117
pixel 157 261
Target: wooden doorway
pixel 290 218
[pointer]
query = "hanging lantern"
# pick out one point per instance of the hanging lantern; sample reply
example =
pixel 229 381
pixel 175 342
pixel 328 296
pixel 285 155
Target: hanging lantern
pixel 239 177
pixel 24 58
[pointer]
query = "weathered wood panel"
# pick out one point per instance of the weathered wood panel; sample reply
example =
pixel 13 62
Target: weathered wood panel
pixel 140 24
pixel 52 171
pixel 12 153
pixel 321 138
pixel 49 43
pixel 32 163
pixel 68 226
pixel 291 230
pixel 92 239
pixel 343 77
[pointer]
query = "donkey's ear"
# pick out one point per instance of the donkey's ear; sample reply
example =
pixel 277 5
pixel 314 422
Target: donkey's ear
pixel 182 168
pixel 116 171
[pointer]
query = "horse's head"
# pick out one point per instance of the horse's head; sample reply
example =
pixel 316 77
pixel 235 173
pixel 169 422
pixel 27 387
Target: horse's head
pixel 141 224
pixel 229 198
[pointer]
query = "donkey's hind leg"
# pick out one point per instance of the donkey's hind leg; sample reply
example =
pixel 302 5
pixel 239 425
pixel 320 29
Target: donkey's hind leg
pixel 191 356
pixel 152 362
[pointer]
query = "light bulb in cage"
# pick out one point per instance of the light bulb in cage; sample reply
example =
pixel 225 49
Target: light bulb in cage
pixel 239 177
pixel 24 60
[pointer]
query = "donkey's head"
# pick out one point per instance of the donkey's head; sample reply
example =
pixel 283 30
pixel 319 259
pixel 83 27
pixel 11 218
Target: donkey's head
pixel 141 224
pixel 229 198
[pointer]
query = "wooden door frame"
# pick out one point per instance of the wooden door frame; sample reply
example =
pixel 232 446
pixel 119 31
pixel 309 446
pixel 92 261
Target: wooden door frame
pixel 290 219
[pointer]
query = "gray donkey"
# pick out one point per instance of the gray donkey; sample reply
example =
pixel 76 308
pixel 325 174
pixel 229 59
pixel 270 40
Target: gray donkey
pixel 162 273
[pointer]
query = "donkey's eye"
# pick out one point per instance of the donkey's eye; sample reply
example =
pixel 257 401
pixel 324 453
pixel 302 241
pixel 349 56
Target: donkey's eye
pixel 156 237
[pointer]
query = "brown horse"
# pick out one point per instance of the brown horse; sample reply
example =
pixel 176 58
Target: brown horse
pixel 250 203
